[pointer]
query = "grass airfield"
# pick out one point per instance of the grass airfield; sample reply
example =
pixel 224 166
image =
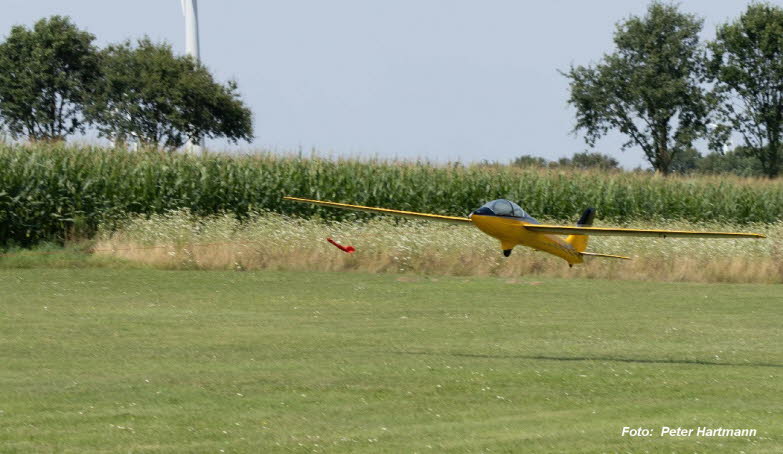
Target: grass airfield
pixel 142 360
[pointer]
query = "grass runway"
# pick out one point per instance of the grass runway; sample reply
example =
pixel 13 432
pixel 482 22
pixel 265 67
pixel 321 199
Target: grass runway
pixel 140 360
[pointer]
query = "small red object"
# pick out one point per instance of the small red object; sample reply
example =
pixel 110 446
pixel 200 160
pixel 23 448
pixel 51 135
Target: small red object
pixel 347 249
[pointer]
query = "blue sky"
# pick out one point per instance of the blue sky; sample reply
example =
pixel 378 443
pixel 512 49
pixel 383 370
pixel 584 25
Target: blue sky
pixel 436 79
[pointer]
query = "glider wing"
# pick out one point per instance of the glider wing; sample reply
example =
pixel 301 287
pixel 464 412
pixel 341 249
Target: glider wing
pixel 574 230
pixel 405 214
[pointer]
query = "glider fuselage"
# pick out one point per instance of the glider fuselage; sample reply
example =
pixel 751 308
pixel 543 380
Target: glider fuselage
pixel 511 232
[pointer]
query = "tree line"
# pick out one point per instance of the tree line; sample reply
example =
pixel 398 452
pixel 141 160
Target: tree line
pixel 54 82
pixel 663 89
pixel 739 162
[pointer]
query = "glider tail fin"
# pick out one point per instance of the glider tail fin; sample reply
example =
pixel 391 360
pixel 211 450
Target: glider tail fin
pixel 579 242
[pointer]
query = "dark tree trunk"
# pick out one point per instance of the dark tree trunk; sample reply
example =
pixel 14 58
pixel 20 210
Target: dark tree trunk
pixel 663 158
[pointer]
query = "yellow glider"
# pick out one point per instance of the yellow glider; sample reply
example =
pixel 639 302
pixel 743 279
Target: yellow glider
pixel 509 223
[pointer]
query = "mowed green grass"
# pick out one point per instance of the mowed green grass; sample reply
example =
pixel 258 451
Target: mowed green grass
pixel 108 360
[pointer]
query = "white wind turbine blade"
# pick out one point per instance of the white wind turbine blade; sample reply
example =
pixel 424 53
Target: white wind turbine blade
pixel 190 11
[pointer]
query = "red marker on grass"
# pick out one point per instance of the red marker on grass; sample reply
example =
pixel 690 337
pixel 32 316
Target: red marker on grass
pixel 347 249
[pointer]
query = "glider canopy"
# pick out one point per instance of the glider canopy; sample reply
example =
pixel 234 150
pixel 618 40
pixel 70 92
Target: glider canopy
pixel 504 208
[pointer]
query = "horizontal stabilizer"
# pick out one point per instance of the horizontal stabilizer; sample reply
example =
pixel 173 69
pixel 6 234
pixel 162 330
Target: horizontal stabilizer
pixel 404 214
pixel 571 230
pixel 594 254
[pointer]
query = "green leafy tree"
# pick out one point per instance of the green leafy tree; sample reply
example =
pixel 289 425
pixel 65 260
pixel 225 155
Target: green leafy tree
pixel 649 89
pixel 163 100
pixel 686 162
pixel 747 67
pixel 527 160
pixel 586 160
pixel 739 161
pixel 46 74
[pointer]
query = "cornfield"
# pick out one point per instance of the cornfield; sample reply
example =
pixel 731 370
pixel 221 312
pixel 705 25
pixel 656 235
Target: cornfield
pixel 52 191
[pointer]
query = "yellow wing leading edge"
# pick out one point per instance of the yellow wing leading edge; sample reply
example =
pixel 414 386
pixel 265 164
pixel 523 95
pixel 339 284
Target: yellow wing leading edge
pixel 405 214
pixel 520 229
pixel 575 230
pixel 541 228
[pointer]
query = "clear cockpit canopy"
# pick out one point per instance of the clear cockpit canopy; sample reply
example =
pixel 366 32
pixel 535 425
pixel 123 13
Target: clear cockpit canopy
pixel 503 207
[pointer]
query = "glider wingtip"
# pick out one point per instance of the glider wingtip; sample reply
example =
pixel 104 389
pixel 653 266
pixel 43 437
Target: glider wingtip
pixel 298 199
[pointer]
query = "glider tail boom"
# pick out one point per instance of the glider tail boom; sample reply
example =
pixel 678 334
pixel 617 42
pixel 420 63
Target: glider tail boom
pixel 595 254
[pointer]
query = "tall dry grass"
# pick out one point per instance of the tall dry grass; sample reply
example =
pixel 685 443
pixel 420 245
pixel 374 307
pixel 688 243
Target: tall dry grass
pixel 180 240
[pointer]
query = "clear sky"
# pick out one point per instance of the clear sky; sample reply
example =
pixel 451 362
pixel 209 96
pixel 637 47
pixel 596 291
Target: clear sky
pixel 437 79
